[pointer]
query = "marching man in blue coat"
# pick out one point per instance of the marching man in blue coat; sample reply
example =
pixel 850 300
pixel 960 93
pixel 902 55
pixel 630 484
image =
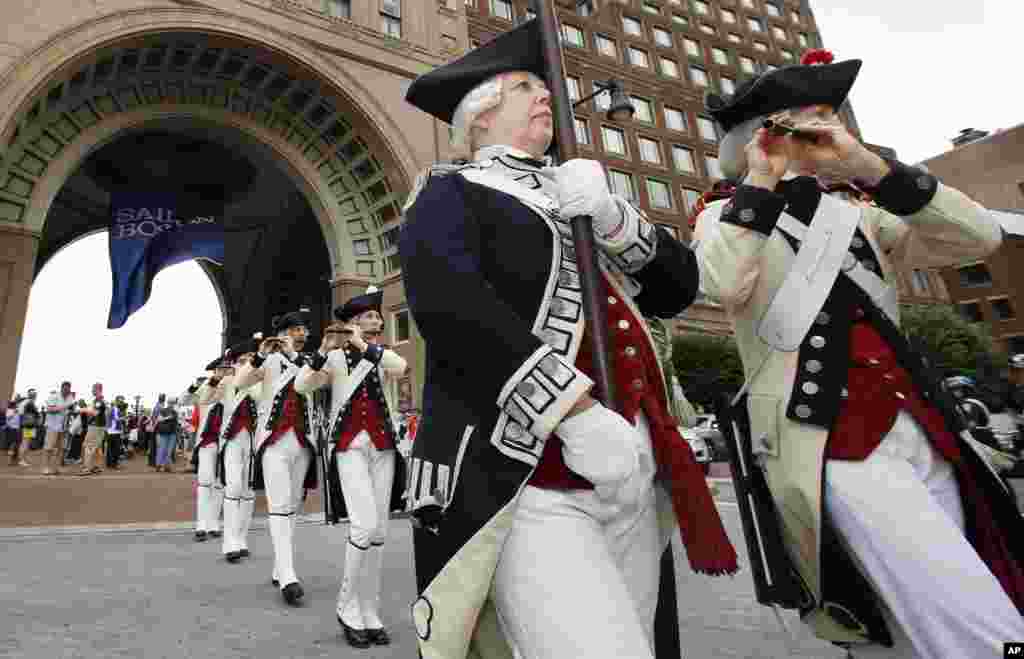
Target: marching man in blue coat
pixel 542 515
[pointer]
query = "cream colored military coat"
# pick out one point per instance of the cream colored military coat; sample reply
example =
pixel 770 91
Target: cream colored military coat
pixel 742 269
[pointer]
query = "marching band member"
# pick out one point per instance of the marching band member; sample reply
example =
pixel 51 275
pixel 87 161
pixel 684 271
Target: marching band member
pixel 209 491
pixel 362 441
pixel 537 511
pixel 283 462
pixel 903 536
pixel 235 450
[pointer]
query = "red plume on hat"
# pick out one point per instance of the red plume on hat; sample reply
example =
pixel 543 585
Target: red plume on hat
pixel 817 56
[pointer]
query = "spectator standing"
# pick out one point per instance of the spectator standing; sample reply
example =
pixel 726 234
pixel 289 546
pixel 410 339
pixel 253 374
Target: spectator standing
pixel 12 431
pixel 166 437
pixel 57 406
pixel 97 414
pixel 115 428
pixel 161 401
pixel 29 415
pixel 77 423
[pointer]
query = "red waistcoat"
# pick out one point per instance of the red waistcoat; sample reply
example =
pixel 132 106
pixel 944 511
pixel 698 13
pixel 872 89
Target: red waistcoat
pixel 242 420
pixel 878 388
pixel 367 414
pixel 638 379
pixel 211 433
pixel 291 419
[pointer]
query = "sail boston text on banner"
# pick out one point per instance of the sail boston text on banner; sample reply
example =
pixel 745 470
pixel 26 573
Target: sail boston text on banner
pixel 150 231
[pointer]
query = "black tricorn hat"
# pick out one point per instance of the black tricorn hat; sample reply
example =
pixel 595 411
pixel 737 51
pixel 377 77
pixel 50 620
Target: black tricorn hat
pixel 290 319
pixel 440 91
pixel 370 300
pixel 217 363
pixel 232 354
pixel 798 85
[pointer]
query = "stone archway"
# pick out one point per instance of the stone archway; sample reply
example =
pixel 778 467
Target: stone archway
pixel 156 67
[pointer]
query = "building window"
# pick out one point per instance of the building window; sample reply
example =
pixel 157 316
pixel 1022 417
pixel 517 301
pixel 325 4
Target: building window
pixel 680 20
pixel 700 7
pixel 975 275
pixel 338 8
pixel 801 39
pixel 583 9
pixel 651 8
pixel 713 168
pixel 747 65
pixel 621 184
pixel 572 35
pixel 682 157
pixel 971 311
pixel 502 9
pixel 389 238
pixel 614 140
pixel 676 120
pixel 669 67
pixel 735 38
pixel 794 15
pixel 786 55
pixel 728 16
pixel 690 197
pixel 706 128
pixel 638 57
pixel 720 56
pixel 698 76
pixel 779 33
pixel 572 84
pixel 707 29
pixel 602 102
pixel 919 282
pixel 692 47
pixel 728 85
pixel 650 150
pixel 1002 308
pixel 391 18
pixel 755 25
pixel 582 131
pixel 643 108
pixel 761 46
pixel 659 194
pixel 605 46
pixel 632 26
pixel 772 9
pixel 662 37
pixel 401 327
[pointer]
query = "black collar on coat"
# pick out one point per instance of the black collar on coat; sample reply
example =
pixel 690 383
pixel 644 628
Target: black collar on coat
pixel 802 197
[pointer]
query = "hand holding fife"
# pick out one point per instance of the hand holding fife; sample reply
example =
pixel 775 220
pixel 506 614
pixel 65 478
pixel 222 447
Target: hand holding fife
pixel 355 337
pixel 833 154
pixel 333 339
pixel 767 159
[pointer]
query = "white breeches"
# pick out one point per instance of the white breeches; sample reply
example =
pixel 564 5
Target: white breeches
pixel 239 499
pixel 366 475
pixel 579 578
pixel 209 493
pixel 899 515
pixel 284 470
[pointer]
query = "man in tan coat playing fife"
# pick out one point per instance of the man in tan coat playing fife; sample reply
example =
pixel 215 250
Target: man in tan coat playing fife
pixel 905 541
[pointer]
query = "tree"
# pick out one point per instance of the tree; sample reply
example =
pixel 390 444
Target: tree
pixel 957 346
pixel 708 366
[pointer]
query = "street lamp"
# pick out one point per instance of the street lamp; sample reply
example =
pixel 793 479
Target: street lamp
pixel 620 108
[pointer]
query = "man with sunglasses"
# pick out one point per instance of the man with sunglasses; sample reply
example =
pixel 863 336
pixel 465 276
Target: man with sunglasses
pixel 362 441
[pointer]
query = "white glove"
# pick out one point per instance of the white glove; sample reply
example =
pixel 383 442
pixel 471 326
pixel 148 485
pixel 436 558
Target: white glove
pixel 604 448
pixel 583 190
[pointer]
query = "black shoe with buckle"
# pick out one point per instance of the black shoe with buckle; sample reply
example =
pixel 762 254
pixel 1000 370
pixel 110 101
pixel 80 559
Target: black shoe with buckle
pixel 357 638
pixel 200 536
pixel 215 534
pixel 243 553
pixel 233 556
pixel 292 593
pixel 378 636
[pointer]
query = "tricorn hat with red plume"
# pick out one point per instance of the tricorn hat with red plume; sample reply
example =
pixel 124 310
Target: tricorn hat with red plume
pixel 816 80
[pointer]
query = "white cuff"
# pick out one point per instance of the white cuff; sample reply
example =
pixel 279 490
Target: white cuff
pixel 542 391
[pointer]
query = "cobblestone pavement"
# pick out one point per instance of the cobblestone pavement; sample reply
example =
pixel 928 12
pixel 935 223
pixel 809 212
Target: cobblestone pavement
pixel 145 591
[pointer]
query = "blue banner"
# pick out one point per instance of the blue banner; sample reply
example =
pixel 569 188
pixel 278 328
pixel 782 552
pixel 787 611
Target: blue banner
pixel 150 231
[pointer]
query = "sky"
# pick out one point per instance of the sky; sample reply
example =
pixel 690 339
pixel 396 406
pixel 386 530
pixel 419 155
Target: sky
pixel 162 348
pixel 930 69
